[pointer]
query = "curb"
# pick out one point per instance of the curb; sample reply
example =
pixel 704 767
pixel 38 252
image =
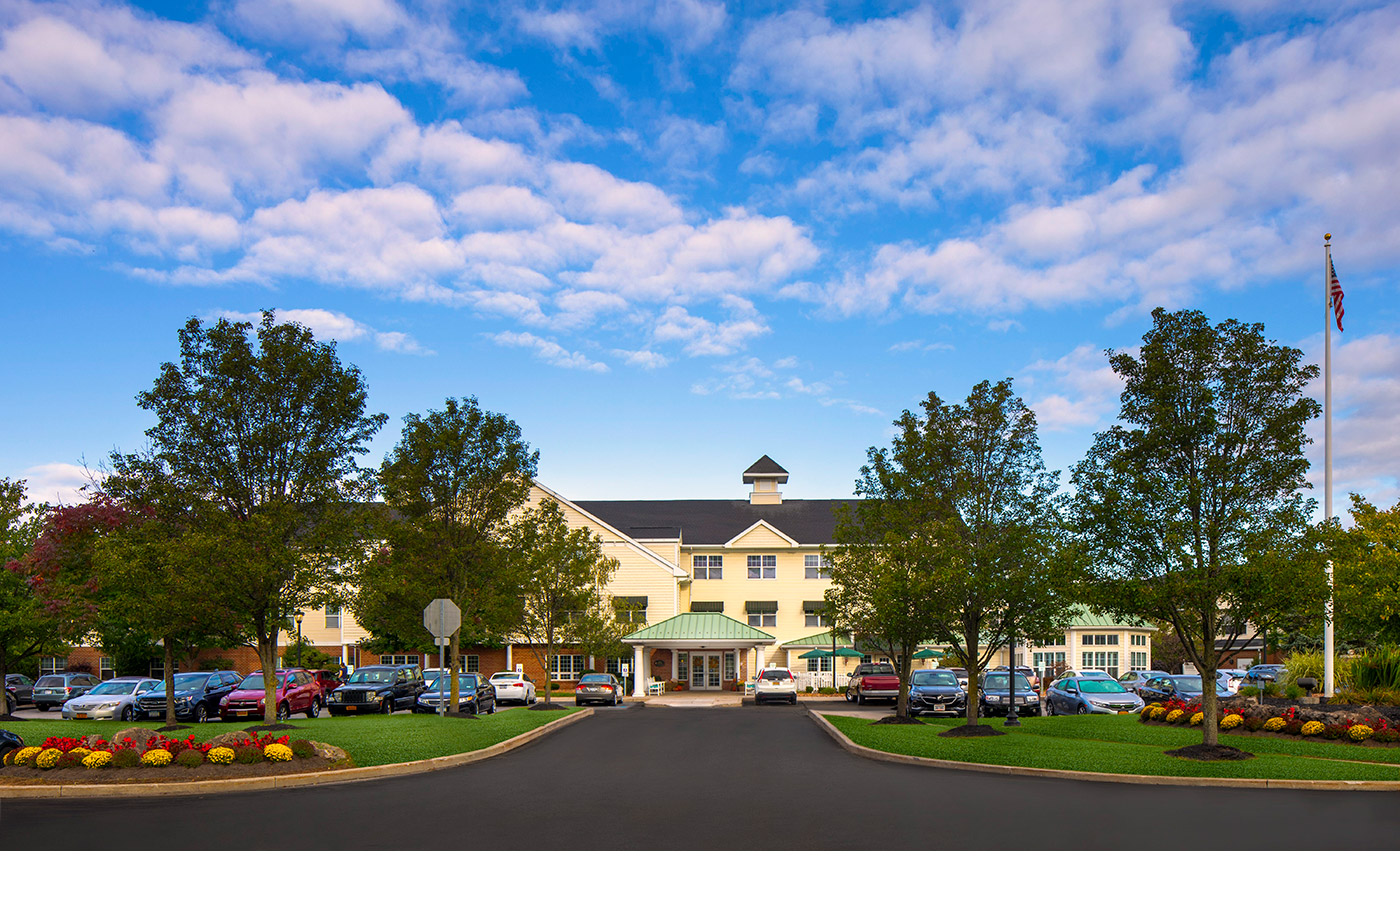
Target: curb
pixel 274 782
pixel 851 746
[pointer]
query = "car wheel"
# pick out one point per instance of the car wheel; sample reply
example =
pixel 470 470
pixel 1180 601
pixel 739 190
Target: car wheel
pixel 860 701
pixel 201 712
pixel 1049 707
pixel 793 701
pixel 1082 710
pixel 849 698
pixel 283 711
pixel 387 707
pixel 128 715
pixel 41 707
pixel 315 709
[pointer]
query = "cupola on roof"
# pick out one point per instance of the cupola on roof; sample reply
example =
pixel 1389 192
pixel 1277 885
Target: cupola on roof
pixel 766 469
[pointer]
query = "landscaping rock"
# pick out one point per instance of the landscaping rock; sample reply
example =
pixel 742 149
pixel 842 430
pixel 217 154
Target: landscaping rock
pixel 328 751
pixel 141 736
pixel 229 739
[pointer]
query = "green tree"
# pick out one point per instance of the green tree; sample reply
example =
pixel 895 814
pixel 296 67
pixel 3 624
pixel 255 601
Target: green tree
pixel 450 485
pixel 1190 510
pixel 562 576
pixel 27 631
pixel 957 536
pixel 253 456
pixel 1367 575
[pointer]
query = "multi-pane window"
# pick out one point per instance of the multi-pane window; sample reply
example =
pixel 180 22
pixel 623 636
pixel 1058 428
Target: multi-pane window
pixel 1052 660
pixel 730 666
pixel 630 610
pixel 52 665
pixel 399 659
pixel 763 566
pixel 472 662
pixel 567 667
pixel 332 616
pixel 1057 640
pixel 815 565
pixel 763 619
pixel 707 567
pixel 615 664
pixel 106 667
pixel 817 620
pixel 682 666
pixel 1138 659
pixel 1137 640
pixel 157 669
pixel 1105 660
pixel 819 665
pixel 1100 640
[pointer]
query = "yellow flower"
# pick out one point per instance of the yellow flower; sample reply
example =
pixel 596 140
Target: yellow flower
pixel 220 755
pixel 277 752
pixel 1312 728
pixel 1231 721
pixel 156 758
pixel 79 752
pixel 1198 718
pixel 1175 714
pixel 98 759
pixel 1158 712
pixel 1277 723
pixel 49 758
pixel 1360 733
pixel 23 757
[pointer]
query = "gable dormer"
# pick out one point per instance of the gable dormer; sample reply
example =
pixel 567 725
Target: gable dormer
pixel 765 476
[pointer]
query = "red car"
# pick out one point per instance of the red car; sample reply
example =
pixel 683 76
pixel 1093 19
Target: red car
pixel 327 681
pixel 297 692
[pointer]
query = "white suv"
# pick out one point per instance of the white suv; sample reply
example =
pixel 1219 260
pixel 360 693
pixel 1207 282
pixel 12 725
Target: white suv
pixel 775 684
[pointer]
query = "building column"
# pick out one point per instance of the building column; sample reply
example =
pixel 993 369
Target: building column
pixel 639 680
pixel 509 667
pixel 675 664
pixel 762 651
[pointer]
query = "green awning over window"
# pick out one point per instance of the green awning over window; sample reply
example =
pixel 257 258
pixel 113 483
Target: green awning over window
pixel 761 606
pixel 813 606
pixel 707 606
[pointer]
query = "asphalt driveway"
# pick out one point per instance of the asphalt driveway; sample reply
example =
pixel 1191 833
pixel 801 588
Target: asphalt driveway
pixel 738 778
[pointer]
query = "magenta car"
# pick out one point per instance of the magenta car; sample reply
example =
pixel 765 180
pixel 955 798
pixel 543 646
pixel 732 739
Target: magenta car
pixel 297 692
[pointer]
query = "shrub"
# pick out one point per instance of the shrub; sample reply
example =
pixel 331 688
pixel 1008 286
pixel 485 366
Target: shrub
pixel 1253 723
pixel 1333 732
pixel 1294 726
pixel 808 689
pixel 156 758
pixel 126 758
pixel 1249 691
pixel 98 759
pixel 1386 736
pixel 303 749
pixel 1277 723
pixel 26 755
pixel 1231 721
pixel 1174 715
pixel 1311 729
pixel 1273 690
pixel 1197 718
pixel 1293 692
pixel 68 760
pixel 1145 714
pixel 49 758
pixel 1310 665
pixel 247 754
pixel 220 756
pixel 1377 669
pixel 9 758
pixel 1158 713
pixel 1360 733
pixel 278 752
pixel 190 759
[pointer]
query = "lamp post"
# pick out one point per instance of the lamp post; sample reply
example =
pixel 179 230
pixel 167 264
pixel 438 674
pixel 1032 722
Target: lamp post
pixel 299 616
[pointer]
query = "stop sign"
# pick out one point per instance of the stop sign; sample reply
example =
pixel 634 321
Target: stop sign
pixel 441 618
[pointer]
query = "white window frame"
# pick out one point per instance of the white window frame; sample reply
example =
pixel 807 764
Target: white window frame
pixel 816 620
pixel 52 665
pixel 816 565
pixel 712 569
pixel 398 659
pixel 763 620
pixel 472 662
pixel 1137 640
pixel 1103 660
pixel 1138 660
pixel 106 667
pixel 577 663
pixel 627 613
pixel 731 665
pixel 332 615
pixel 766 566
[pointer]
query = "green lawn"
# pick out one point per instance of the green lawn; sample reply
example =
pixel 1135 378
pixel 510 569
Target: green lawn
pixel 1122 744
pixel 370 740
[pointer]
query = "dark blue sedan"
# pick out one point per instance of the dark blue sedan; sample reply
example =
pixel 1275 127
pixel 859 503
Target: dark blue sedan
pixel 475 695
pixel 936 692
pixel 1180 687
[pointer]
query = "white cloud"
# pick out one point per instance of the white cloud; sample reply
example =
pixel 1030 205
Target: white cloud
pixel 329 325
pixel 1366 398
pixel 645 359
pixel 548 351
pixel 55 483
pixel 1084 390
pixel 303 21
pixel 702 337
pixel 921 345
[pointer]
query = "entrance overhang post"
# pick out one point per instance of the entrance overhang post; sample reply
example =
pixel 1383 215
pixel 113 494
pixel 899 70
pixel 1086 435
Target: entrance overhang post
pixel 639 673
pixel 762 652
pixel 675 664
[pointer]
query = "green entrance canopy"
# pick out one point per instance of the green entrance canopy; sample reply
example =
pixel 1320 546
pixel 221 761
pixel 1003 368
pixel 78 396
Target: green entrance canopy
pixel 928 654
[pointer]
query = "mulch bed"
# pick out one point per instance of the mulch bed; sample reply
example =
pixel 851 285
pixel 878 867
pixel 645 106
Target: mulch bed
pixel 549 706
pixel 963 731
pixel 1202 753
pixel 1283 703
pixel 897 720
pixel 9 718
pixel 18 775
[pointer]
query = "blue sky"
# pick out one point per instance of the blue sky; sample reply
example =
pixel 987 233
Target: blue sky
pixel 667 238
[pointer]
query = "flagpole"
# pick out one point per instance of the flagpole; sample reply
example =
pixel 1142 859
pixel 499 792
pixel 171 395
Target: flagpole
pixel 1327 637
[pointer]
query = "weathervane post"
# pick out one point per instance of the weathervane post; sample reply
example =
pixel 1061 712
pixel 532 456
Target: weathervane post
pixel 1327 637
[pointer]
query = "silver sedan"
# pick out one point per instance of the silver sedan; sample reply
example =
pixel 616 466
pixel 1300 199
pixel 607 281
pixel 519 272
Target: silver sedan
pixel 112 699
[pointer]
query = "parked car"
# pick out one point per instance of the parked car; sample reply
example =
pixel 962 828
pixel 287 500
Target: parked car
pixel 1072 696
pixel 1134 679
pixel 1085 673
pixel 327 681
pixel 515 687
pixel 936 692
pixel 1027 671
pixel 381 689
pixel 115 698
pixel 1178 687
pixel 56 690
pixel 960 673
pixel 9 741
pixel 872 681
pixel 774 683
pixel 296 692
pixel 197 696
pixel 1234 678
pixel 1265 672
pixel 19 689
pixel 474 695
pixel 598 687
pixel 998 693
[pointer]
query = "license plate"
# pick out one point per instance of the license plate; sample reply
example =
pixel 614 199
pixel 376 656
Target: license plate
pixel 352 708
pixel 243 712
pixel 80 715
pixel 1125 712
pixel 939 707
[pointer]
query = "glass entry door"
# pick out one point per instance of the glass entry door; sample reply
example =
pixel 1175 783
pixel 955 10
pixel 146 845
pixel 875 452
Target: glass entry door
pixel 706 671
pixel 697 671
pixel 712 670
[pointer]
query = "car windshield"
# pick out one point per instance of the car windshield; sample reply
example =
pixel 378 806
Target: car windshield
pixel 595 679
pixel 464 683
pixel 939 679
pixel 1099 686
pixel 50 681
pixel 115 687
pixel 254 682
pixel 1188 683
pixel 189 682
pixel 998 683
pixel 505 676
pixel 879 669
pixel 372 676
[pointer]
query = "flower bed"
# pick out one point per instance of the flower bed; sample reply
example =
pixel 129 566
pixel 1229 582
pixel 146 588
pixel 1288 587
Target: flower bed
pixel 93 759
pixel 1370 731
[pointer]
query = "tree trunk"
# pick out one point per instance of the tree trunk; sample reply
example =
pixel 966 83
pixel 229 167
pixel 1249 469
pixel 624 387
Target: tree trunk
pixel 548 655
pixel 901 700
pixel 267 652
pixel 456 703
pixel 4 685
pixel 169 681
pixel 1210 725
pixel 970 660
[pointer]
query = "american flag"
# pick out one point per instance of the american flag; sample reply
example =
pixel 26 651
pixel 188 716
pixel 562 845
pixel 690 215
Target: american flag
pixel 1334 291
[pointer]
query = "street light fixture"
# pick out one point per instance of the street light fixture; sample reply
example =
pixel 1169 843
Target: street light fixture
pixel 299 616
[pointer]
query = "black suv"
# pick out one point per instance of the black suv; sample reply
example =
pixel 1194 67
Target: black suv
pixel 197 696
pixel 377 689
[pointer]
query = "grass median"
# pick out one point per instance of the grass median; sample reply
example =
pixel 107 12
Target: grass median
pixel 1123 745
pixel 371 740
